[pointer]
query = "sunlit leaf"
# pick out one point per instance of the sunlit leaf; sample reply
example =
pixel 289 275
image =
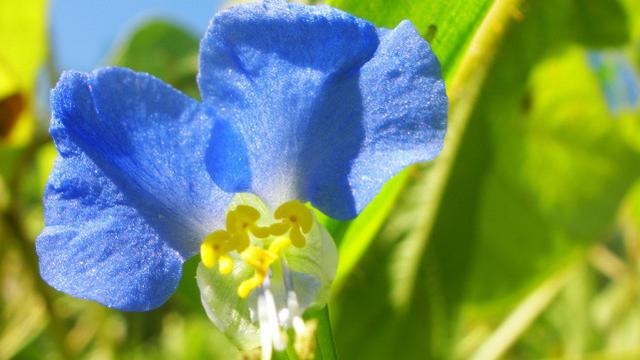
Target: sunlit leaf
pixel 448 31
pixel 558 175
pixel 22 52
pixel 447 25
pixel 538 175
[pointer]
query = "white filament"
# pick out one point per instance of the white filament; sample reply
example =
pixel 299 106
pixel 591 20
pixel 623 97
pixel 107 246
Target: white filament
pixel 263 318
pixel 273 323
pixel 294 317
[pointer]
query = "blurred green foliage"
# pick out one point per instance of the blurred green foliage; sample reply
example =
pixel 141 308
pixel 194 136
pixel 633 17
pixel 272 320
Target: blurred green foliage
pixel 522 240
pixel 164 50
pixel 23 39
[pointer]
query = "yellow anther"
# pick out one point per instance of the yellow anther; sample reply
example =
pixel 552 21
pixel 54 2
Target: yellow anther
pixel 297 239
pixel 240 241
pixel 260 232
pixel 295 212
pixel 295 217
pixel 240 222
pixel 213 247
pixel 225 264
pixel 294 221
pixel 279 229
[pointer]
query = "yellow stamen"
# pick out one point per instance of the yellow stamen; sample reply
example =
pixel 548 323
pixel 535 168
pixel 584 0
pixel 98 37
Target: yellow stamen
pixel 297 239
pixel 240 241
pixel 225 264
pixel 214 245
pixel 247 286
pixel 278 245
pixel 240 222
pixel 258 258
pixel 295 212
pixel 295 220
pixel 279 229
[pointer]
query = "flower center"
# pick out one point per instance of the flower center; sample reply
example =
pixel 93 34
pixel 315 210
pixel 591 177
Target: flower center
pixel 293 222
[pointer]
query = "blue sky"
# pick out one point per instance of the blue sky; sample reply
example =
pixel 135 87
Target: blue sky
pixel 85 31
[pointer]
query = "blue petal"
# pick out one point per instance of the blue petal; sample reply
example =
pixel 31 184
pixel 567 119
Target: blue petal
pixel 404 113
pixel 97 245
pixel 129 198
pixel 327 107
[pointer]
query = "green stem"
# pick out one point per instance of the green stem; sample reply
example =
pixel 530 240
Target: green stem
pixel 291 352
pixel 326 346
pixel 280 355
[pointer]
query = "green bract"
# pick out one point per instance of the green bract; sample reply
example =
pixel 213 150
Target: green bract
pixel 312 269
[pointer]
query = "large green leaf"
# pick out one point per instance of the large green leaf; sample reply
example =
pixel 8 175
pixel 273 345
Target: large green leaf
pixel 539 171
pixel 448 33
pixel 447 25
pixel 559 173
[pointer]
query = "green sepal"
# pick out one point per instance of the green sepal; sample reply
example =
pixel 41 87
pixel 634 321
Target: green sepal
pixel 312 269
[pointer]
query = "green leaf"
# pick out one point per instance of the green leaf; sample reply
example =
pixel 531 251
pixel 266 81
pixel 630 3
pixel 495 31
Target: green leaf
pixel 611 17
pixel 535 174
pixel 448 33
pixel 325 343
pixel 447 25
pixel 23 314
pixel 529 222
pixel 357 236
pixel 164 50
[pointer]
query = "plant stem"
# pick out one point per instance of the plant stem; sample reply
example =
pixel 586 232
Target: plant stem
pixel 326 346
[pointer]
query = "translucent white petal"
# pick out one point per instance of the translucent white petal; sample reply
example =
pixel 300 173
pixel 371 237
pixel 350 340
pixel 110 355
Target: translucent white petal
pixel 312 269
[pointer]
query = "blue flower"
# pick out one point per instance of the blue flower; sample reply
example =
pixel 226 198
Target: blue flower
pixel 300 104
